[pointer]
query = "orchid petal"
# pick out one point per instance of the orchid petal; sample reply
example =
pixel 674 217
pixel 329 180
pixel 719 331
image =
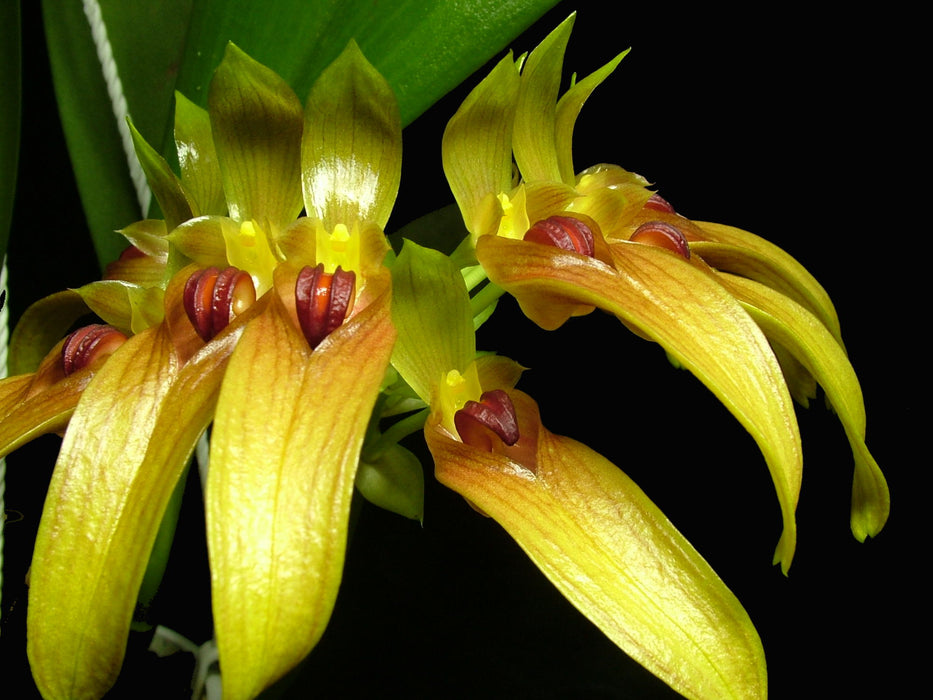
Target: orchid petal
pixel 800 332
pixel 433 318
pixel 256 122
pixel 351 152
pixel 149 236
pixel 535 124
pixel 173 200
pixel 689 314
pixel 41 326
pixel 86 559
pixel 568 108
pixel 197 157
pixel 129 307
pixel 477 146
pixel 614 555
pixel 284 450
pixel 203 239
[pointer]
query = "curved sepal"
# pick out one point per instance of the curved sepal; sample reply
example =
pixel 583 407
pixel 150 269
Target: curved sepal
pixel 752 256
pixel 811 343
pixel 689 314
pixel 287 436
pixel 351 151
pixel 256 122
pixel 613 554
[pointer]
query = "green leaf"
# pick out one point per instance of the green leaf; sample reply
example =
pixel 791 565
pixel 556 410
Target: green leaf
pixel 10 97
pixel 423 48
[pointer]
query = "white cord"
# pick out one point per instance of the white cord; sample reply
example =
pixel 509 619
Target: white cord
pixel 206 680
pixel 117 100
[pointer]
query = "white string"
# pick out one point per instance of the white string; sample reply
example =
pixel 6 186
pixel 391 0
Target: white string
pixel 206 683
pixel 117 100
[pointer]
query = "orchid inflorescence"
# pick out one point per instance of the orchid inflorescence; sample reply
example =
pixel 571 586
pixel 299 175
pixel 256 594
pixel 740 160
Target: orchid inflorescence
pixel 270 283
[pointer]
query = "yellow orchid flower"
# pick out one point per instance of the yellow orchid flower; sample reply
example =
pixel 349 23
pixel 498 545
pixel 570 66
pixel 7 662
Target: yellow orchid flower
pixel 274 329
pixel 609 242
pixel 593 533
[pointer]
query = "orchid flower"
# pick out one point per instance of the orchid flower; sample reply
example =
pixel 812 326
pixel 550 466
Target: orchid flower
pixel 273 329
pixel 742 315
pixel 595 535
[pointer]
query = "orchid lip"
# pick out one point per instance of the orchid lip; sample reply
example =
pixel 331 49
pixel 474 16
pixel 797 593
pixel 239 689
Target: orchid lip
pixel 662 235
pixel 564 232
pixel 493 412
pixel 214 297
pixel 323 301
pixel 90 345
pixel 658 203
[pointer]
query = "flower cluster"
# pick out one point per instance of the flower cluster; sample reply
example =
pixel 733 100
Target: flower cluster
pixel 268 311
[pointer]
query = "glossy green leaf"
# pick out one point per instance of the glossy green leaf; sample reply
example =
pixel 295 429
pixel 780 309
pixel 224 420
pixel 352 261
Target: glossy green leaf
pixel 91 131
pixel 424 48
pixel 10 98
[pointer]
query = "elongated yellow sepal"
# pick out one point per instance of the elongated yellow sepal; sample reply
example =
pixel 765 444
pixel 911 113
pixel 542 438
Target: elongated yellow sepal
pixel 613 554
pixel 284 450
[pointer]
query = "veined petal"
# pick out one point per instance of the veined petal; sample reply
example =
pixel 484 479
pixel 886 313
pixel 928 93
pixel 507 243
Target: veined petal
pixel 477 145
pixel 203 239
pixel 613 554
pixel 689 314
pixel 533 138
pixel 80 598
pixel 287 436
pixel 197 157
pixel 351 152
pixel 256 122
pixel 749 255
pixel 800 332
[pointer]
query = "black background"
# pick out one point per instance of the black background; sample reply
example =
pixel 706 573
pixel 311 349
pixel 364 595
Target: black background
pixel 797 125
